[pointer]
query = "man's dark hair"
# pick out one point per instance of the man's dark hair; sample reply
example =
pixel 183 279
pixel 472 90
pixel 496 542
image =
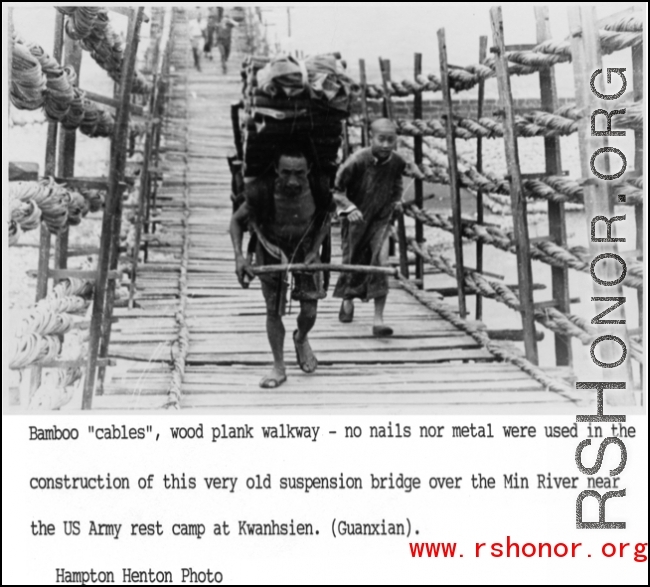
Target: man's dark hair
pixel 290 152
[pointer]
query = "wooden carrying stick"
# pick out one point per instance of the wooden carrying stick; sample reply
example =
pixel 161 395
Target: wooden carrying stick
pixel 265 269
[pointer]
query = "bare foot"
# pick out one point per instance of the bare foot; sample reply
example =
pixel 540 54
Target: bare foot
pixel 306 358
pixel 274 379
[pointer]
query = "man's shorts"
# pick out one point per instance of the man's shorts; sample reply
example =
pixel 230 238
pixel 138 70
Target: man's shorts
pixel 306 286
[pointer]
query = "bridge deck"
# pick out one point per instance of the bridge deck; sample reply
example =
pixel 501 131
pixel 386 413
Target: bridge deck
pixel 429 366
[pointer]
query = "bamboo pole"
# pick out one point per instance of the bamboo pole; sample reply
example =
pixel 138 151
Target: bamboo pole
pixel 101 301
pixel 454 184
pixel 364 103
pixel 313 267
pixel 67 149
pixel 556 214
pixel 517 198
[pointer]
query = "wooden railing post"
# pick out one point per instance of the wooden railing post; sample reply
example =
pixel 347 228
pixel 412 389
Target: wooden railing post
pixel 586 59
pixel 556 215
pixel 517 198
pixel 364 103
pixel 482 54
pixel 454 187
pixel 72 55
pixel 100 327
pixel 50 170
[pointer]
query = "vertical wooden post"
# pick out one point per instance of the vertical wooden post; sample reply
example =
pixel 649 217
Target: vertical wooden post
pixel 418 184
pixel 586 58
pixel 45 241
pixel 101 301
pixel 454 187
pixel 384 67
pixel 10 52
pixel 482 54
pixel 50 169
pixel 144 189
pixel 364 102
pixel 67 149
pixel 556 215
pixel 517 198
pixel 637 81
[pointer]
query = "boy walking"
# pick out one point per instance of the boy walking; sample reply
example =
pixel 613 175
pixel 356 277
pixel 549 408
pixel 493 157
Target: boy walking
pixel 367 189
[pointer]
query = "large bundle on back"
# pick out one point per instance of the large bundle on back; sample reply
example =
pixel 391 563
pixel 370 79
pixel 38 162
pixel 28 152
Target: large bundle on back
pixel 298 103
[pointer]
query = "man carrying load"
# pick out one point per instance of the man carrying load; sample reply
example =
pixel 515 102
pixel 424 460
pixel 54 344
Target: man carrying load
pixel 290 214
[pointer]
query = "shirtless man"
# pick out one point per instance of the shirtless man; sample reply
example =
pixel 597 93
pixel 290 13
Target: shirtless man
pixel 290 216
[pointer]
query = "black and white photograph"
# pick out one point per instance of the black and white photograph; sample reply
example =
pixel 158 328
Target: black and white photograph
pixel 267 208
pixel 325 293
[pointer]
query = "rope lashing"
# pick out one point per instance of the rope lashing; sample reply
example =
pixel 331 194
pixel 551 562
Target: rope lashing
pixel 91 26
pixel 476 283
pixel 499 350
pixel 547 252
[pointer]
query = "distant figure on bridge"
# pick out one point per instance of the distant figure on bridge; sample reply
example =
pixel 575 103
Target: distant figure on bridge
pixel 196 39
pixel 224 39
pixel 290 212
pixel 367 190
pixel 210 32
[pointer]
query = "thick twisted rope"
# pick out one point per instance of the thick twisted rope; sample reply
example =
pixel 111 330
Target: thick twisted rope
pixel 33 202
pixel 476 283
pixel 555 188
pixel 91 26
pixel 562 122
pixel 545 251
pixel 623 34
pixel 41 340
pixel 499 350
pixel 40 81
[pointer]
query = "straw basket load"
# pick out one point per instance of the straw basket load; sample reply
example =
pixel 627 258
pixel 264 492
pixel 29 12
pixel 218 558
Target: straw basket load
pixel 297 103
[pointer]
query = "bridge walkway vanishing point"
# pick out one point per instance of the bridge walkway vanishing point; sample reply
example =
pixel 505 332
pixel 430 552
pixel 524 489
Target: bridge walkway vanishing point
pixel 190 307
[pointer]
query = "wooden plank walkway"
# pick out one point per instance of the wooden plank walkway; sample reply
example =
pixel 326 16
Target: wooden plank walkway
pixel 429 366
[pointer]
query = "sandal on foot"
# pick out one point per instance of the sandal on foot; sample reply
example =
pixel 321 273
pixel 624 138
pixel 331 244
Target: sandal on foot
pixel 382 331
pixel 304 355
pixel 272 382
pixel 345 316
